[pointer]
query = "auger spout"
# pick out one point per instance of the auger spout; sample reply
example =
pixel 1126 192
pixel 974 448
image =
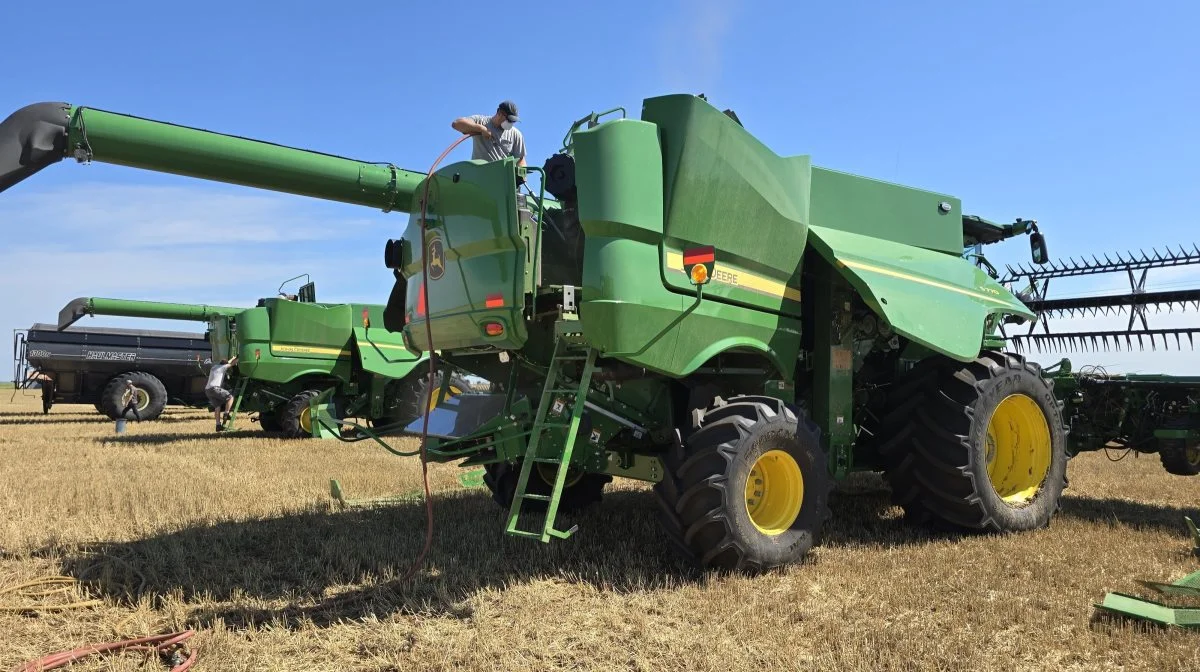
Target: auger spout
pixel 41 134
pixel 77 309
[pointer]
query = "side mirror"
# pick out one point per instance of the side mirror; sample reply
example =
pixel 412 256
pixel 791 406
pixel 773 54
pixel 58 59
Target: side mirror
pixel 1037 247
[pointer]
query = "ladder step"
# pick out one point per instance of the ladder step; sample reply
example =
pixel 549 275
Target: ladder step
pixel 565 390
pixel 548 460
pixel 563 534
pixel 545 425
pixel 539 498
pixel 527 535
pixel 571 358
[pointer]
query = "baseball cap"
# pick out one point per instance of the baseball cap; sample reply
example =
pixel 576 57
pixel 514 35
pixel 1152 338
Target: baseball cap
pixel 509 108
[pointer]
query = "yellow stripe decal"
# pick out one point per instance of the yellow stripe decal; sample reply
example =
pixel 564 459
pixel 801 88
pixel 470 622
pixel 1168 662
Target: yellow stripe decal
pixel 728 275
pixel 308 350
pixel 857 265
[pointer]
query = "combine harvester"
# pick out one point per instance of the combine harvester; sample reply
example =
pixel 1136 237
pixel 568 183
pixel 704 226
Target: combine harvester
pixel 292 349
pixel 1144 413
pixel 689 309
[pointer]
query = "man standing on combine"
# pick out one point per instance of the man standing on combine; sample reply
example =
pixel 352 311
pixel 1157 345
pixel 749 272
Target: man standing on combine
pixel 218 396
pixel 496 137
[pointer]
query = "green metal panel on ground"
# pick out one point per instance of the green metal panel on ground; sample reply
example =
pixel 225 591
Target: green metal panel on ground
pixel 939 300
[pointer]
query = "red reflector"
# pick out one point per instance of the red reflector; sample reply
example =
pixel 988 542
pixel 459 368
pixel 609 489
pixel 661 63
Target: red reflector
pixel 699 255
pixel 421 300
pixel 495 301
pixel 493 328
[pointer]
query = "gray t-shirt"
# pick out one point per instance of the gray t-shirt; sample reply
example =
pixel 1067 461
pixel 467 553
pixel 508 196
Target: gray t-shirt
pixel 502 143
pixel 216 375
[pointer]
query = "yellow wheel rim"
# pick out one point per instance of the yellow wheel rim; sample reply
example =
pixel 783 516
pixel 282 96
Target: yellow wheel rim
pixel 1018 449
pixel 143 398
pixel 774 492
pixel 1193 454
pixel 306 420
pixel 547 473
pixel 451 391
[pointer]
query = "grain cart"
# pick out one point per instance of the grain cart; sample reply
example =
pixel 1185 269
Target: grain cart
pixel 1143 413
pixel 292 349
pixel 90 366
pixel 688 309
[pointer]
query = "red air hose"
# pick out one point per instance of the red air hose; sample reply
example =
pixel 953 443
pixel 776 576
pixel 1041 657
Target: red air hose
pixel 160 644
pixel 432 366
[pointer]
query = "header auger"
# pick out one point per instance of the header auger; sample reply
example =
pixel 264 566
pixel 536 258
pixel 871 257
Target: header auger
pixel 738 328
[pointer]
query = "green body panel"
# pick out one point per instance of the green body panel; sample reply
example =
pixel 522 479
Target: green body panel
pixel 169 148
pixel 474 230
pixel 309 330
pixel 885 211
pixel 937 300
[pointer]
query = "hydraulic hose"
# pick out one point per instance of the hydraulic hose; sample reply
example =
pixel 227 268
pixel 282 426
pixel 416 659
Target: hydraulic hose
pixel 432 367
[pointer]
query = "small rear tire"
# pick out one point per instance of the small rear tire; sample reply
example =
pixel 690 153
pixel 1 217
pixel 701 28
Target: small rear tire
pixel 750 489
pixel 294 417
pixel 580 491
pixel 1178 456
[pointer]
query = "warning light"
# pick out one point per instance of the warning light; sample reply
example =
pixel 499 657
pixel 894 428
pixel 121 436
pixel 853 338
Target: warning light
pixel 257 353
pixel 698 264
pixel 494 301
pixel 494 329
pixel 366 318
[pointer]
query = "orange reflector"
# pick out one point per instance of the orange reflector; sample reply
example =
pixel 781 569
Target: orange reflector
pixel 494 329
pixel 699 274
pixel 495 301
pixel 366 318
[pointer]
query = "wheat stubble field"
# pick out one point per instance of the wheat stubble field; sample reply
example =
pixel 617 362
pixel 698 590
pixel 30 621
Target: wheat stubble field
pixel 170 526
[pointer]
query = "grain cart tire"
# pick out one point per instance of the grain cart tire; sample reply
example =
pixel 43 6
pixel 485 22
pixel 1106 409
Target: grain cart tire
pixel 985 447
pixel 582 489
pixel 1179 456
pixel 152 396
pixel 750 488
pixel 294 420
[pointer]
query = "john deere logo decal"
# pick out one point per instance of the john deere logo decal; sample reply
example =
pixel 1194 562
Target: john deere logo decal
pixel 437 259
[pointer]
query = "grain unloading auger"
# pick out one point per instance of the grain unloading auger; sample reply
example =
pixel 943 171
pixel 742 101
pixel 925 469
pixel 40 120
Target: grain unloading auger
pixel 738 328
pixel 42 134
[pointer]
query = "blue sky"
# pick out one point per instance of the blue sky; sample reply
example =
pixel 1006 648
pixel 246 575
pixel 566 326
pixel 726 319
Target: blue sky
pixel 1081 116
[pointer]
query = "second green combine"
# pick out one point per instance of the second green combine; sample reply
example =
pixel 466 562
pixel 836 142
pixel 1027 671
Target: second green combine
pixel 291 349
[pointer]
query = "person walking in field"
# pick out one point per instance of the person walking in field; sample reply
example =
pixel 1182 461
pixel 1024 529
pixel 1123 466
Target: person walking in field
pixel 220 398
pixel 132 404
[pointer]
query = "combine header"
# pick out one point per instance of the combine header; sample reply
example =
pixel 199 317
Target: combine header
pixel 1144 413
pixel 687 308
pixel 1136 303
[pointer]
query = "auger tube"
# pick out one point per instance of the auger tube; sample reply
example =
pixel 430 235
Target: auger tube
pixel 77 309
pixel 41 134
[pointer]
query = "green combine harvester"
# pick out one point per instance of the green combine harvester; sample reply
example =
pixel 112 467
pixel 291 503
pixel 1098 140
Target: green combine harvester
pixel 292 349
pixel 686 308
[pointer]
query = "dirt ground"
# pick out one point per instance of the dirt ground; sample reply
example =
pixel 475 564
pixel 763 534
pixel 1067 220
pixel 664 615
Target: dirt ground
pixel 170 526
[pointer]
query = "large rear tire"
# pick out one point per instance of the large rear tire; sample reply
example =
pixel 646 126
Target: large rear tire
pixel 983 447
pixel 750 488
pixel 152 396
